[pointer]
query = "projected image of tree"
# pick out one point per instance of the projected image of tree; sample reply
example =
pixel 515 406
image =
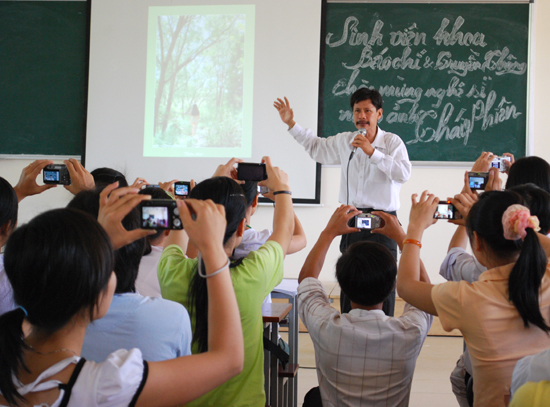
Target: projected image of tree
pixel 199 81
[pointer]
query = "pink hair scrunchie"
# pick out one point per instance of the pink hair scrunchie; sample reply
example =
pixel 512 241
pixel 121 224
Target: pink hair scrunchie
pixel 516 219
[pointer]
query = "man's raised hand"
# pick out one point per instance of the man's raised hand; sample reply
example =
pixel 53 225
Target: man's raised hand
pixel 286 113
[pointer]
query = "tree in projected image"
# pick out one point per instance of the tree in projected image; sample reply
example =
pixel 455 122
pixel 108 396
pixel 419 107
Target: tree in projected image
pixel 199 81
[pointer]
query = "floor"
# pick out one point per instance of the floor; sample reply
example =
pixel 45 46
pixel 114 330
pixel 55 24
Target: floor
pixel 430 387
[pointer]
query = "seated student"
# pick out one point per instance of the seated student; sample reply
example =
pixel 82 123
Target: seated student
pixel 504 316
pixel 460 265
pixel 532 368
pixel 253 278
pixel 532 394
pixel 9 206
pixel 161 329
pixel 60 266
pixel 252 238
pixel 363 357
pixel 147 282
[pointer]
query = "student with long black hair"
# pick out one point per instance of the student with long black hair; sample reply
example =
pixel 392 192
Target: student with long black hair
pixel 503 316
pixel 253 278
pixel 60 266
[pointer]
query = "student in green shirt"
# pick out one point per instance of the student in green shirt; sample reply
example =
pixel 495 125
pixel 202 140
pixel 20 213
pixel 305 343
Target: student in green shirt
pixel 253 278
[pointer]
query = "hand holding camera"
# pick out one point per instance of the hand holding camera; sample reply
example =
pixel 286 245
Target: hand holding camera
pixel 114 205
pixel 277 179
pixel 391 228
pixel 228 169
pixel 27 186
pixel 79 177
pixel 339 223
pixel 422 212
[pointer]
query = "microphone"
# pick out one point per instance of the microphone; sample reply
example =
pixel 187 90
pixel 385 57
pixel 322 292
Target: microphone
pixel 364 133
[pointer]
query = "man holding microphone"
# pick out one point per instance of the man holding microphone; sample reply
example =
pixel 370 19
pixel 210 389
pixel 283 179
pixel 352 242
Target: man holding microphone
pixel 374 165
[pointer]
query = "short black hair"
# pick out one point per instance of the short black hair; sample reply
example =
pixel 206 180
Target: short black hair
pixel 364 94
pixel 127 258
pixel 8 204
pixel 366 272
pixel 105 176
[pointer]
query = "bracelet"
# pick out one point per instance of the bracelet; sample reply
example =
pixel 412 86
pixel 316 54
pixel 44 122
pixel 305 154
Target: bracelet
pixel 413 241
pixel 282 192
pixel 211 274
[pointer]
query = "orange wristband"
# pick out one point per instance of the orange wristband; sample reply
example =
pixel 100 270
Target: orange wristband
pixel 413 241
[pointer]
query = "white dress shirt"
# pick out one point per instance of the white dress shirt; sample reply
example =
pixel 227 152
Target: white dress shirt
pixel 363 358
pixel 374 182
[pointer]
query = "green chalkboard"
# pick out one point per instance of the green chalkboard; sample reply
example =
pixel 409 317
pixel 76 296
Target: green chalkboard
pixel 454 77
pixel 43 76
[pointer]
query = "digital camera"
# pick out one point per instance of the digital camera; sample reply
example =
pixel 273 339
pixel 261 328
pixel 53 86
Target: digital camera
pixel 502 163
pixel 56 174
pixel 251 172
pixel 160 214
pixel 262 190
pixel 366 221
pixel 478 180
pixel 182 189
pixel 446 210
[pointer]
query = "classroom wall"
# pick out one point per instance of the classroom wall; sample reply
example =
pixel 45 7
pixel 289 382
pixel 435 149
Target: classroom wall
pixel 442 181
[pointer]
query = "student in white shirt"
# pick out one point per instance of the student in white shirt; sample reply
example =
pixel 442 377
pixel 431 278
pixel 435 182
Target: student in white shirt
pixel 373 165
pixel 60 265
pixel 363 357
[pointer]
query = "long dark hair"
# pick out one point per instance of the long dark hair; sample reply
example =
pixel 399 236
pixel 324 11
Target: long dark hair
pixel 526 170
pixel 226 192
pixel 8 205
pixel 485 218
pixel 128 257
pixel 58 264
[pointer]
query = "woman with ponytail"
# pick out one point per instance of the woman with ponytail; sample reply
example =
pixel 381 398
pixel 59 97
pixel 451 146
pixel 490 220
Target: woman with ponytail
pixel 60 267
pixel 505 315
pixel 253 278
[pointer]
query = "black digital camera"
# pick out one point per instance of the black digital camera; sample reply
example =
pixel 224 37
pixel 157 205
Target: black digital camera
pixel 182 189
pixel 366 221
pixel 251 172
pixel 478 180
pixel 160 214
pixel 56 174
pixel 446 210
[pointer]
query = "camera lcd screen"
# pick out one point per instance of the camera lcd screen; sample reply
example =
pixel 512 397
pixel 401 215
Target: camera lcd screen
pixel 251 172
pixel 495 164
pixel 51 175
pixel 363 223
pixel 477 182
pixel 154 217
pixel 444 211
pixel 181 189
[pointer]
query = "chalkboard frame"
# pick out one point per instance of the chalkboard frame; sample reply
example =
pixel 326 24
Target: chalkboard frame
pixel 529 89
pixel 81 25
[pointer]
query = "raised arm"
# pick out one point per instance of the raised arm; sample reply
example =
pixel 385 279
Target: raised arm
pixel 409 284
pixel 283 218
pixel 179 381
pixel 81 179
pixel 298 240
pixel 27 184
pixel 337 225
pixel 393 229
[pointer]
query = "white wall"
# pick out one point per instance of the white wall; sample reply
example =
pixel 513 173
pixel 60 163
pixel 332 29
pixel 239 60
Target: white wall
pixel 442 181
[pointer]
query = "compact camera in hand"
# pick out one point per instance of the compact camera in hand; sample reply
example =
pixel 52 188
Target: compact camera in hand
pixel 502 163
pixel 366 221
pixel 478 180
pixel 251 172
pixel 446 210
pixel 160 214
pixel 56 174
pixel 182 189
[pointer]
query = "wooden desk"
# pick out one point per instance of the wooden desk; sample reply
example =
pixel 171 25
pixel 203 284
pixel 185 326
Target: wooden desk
pixel 272 315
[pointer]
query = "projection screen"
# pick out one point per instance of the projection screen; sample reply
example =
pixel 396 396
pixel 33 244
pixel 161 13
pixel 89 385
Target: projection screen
pixel 178 87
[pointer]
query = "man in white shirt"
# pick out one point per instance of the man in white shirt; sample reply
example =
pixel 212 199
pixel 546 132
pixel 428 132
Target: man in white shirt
pixel 374 165
pixel 363 357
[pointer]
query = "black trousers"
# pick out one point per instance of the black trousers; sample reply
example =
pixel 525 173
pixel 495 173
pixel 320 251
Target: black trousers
pixel 366 235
